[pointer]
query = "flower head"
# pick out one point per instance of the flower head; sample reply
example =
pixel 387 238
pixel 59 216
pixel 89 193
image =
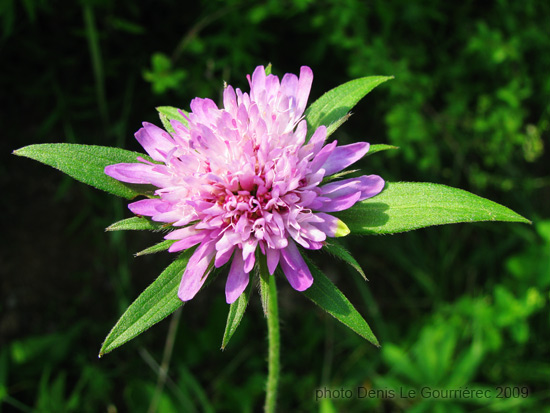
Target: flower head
pixel 243 179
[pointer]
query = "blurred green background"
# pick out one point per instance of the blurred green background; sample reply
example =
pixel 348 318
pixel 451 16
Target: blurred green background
pixel 460 306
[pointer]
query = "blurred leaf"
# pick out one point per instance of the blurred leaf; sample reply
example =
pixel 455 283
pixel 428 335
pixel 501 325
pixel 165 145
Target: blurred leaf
pixel 401 363
pixel 135 223
pixel 51 393
pixel 167 113
pixel 467 364
pixel 236 312
pixel 334 105
pixel 197 390
pixel 327 296
pixel 162 75
pixel 406 206
pixel 7 16
pixel 326 406
pixel 154 304
pixel 55 346
pixel 126 25
pixel 4 364
pixel 86 163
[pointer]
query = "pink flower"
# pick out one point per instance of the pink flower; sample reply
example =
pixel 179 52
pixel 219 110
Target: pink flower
pixel 243 179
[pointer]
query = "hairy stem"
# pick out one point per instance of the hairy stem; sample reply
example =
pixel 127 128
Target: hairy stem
pixel 269 295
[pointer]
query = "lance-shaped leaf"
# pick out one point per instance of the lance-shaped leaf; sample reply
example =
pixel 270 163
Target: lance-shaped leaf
pixel 406 206
pixel 332 108
pixel 154 304
pixel 327 296
pixel 86 163
pixel 135 224
pixel 167 113
pixel 236 312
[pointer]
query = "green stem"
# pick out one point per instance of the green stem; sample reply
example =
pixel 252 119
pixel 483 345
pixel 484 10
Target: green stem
pixel 271 309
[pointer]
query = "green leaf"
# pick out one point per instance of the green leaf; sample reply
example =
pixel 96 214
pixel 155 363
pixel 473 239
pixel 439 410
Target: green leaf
pixel 406 206
pixel 167 113
pixel 134 224
pixel 380 147
pixel 236 312
pixel 332 108
pixel 327 296
pixel 161 246
pixel 86 163
pixel 335 248
pixel 154 304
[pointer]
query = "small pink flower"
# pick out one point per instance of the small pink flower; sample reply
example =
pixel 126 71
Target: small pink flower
pixel 243 178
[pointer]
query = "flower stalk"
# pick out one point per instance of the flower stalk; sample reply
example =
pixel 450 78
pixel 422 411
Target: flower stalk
pixel 271 309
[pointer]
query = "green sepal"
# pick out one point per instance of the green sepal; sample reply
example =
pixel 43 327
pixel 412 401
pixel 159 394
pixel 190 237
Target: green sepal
pixel 86 163
pixel 157 302
pixel 167 113
pixel 136 224
pixel 332 108
pixel 333 247
pixel 406 206
pixel 236 312
pixel 264 288
pixel 380 147
pixel 337 123
pixel 161 246
pixel 327 296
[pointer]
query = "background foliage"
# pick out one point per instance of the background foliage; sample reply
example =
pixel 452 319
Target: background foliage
pixel 455 306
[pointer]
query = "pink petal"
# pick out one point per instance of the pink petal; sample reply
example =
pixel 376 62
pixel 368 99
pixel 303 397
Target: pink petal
pixel 187 237
pixel 304 87
pixel 331 225
pixel 343 156
pixel 249 246
pixel 342 187
pixel 368 185
pixel 148 207
pixel 322 156
pixel 194 275
pixel 315 143
pixel 156 141
pixel 137 173
pixel 257 83
pixel 230 100
pixel 295 268
pixel 237 280
pixel 311 232
pixel 272 256
pixel 345 193
pixel 222 257
pixel 289 84
pixel 340 203
pixel 371 185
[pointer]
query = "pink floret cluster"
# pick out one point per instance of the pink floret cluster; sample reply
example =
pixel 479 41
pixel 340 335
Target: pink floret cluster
pixel 242 180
